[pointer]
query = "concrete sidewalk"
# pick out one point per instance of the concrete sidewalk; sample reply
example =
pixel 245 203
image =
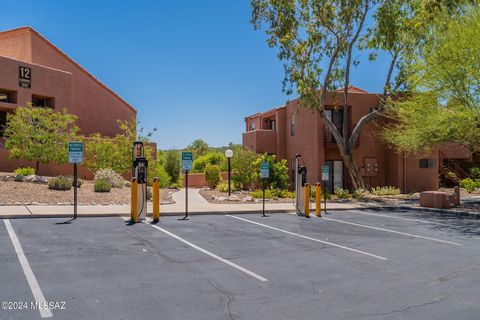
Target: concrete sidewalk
pixel 196 205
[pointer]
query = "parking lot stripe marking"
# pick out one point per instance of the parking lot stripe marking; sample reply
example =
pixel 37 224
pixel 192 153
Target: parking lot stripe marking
pixel 309 238
pixel 32 281
pixel 393 231
pixel 394 217
pixel 236 266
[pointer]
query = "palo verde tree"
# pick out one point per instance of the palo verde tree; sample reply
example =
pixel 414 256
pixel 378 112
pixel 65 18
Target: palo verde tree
pixel 39 134
pixel 443 104
pixel 318 41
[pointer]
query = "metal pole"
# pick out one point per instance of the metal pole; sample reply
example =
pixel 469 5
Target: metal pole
pixel 186 194
pixel 325 196
pixel 263 210
pixel 75 191
pixel 229 177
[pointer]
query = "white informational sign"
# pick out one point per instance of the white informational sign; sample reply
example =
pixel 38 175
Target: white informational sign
pixel 187 161
pixel 325 173
pixel 75 152
pixel 264 170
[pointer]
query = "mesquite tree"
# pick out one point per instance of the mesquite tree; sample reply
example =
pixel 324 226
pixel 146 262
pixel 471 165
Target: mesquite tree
pixel 318 40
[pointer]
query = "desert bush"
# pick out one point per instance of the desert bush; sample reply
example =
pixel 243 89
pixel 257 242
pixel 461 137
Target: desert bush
pixel 60 183
pixel 214 158
pixel 102 185
pixel 282 193
pixel 25 171
pixel 223 187
pixel 212 175
pixel 469 184
pixel 475 173
pixel 385 191
pixel 108 174
pixel 359 193
pixel 259 194
pixel 341 193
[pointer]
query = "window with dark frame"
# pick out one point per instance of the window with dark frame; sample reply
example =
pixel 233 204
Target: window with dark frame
pixel 8 96
pixel 292 124
pixel 427 163
pixel 336 116
pixel 3 122
pixel 43 102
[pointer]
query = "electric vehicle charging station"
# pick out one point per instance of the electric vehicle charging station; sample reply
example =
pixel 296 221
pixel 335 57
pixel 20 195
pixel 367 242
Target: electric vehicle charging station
pixel 300 182
pixel 139 173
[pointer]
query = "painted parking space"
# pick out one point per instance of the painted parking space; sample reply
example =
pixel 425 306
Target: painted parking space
pixel 105 268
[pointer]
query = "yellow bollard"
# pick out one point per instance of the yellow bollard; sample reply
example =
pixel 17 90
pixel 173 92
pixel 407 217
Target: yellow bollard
pixel 133 201
pixel 307 200
pixel 318 199
pixel 156 200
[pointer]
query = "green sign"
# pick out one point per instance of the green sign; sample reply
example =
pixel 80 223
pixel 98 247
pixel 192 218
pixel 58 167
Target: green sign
pixel 325 173
pixel 187 160
pixel 75 152
pixel 264 170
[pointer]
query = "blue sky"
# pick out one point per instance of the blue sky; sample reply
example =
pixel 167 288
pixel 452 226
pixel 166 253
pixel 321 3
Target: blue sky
pixel 192 69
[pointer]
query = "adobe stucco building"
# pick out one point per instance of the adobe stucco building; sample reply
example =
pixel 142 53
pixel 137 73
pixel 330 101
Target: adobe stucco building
pixel 33 70
pixel 289 130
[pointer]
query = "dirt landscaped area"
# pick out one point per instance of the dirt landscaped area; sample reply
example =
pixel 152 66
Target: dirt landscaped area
pixel 30 193
pixel 215 196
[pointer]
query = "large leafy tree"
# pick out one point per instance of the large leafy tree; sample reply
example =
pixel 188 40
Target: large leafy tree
pixel 443 104
pixel 318 41
pixel 198 147
pixel 39 134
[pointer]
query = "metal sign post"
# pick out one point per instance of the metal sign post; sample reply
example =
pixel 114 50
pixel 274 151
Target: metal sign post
pixel 325 178
pixel 75 156
pixel 187 160
pixel 264 174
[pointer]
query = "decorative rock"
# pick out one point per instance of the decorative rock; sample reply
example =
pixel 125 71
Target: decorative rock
pixel 213 197
pixel 221 199
pixel 233 198
pixel 274 198
pixel 248 199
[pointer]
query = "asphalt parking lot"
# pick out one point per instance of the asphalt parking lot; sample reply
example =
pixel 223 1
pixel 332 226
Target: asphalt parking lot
pixel 347 265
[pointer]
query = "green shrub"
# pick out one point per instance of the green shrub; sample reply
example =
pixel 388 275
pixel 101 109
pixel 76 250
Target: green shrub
pixel 359 193
pixel 102 185
pixel 281 193
pixel 385 191
pixel 278 178
pixel 79 181
pixel 60 183
pixel 157 170
pixel 149 194
pixel 341 193
pixel 259 194
pixel 214 158
pixel 223 187
pixel 469 185
pixel 19 178
pixel 212 175
pixel 25 171
pixel 475 173
pixel 107 174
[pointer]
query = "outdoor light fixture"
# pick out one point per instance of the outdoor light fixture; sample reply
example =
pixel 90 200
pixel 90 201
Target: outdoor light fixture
pixel 229 155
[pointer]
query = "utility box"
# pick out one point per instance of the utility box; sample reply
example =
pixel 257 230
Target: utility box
pixel 437 199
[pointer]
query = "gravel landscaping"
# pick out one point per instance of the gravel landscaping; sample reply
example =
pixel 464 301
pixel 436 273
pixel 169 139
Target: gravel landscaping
pixel 31 193
pixel 214 196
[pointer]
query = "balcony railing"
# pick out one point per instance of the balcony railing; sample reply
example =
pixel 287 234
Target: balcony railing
pixel 261 140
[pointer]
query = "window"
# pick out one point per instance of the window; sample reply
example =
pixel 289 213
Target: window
pixel 8 96
pixel 336 115
pixel 292 124
pixel 3 122
pixel 43 102
pixel 427 163
pixel 335 179
pixel 251 126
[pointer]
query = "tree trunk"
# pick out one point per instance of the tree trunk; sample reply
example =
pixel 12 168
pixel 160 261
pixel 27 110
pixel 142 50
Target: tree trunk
pixel 357 180
pixel 37 167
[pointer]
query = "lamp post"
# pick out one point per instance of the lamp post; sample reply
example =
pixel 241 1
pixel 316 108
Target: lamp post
pixel 229 155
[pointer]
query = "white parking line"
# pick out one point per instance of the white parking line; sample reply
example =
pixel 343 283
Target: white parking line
pixel 32 281
pixel 393 217
pixel 309 238
pixel 236 266
pixel 392 231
